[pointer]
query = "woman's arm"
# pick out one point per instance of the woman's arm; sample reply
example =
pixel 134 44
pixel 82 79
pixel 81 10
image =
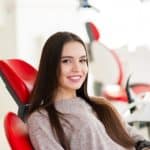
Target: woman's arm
pixel 40 133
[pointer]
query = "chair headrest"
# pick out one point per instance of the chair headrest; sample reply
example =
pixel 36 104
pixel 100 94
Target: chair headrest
pixel 19 77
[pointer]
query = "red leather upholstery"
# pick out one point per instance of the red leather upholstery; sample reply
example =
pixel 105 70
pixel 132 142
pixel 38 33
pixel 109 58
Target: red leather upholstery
pixel 19 77
pixel 16 133
pixel 92 31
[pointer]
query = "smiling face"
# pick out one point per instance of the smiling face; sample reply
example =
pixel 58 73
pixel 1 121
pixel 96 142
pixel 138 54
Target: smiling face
pixel 73 69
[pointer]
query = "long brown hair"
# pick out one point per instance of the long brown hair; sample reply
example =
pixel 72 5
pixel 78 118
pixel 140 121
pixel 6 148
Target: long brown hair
pixel 46 84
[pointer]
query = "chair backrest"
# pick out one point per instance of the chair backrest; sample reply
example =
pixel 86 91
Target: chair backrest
pixel 16 132
pixel 19 77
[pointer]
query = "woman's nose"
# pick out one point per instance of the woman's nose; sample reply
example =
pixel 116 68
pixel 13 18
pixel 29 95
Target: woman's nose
pixel 76 66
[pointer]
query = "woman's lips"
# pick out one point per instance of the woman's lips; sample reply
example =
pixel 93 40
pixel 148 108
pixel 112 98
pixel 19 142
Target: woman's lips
pixel 74 78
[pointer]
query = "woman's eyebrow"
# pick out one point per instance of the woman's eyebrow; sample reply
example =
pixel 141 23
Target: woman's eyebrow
pixel 63 57
pixel 83 56
pixel 66 57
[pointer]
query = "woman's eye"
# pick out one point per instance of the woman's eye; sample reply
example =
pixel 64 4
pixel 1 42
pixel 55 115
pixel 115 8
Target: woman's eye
pixel 66 61
pixel 83 60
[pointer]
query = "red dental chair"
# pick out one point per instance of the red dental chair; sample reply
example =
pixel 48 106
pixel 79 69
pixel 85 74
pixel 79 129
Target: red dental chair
pixel 19 77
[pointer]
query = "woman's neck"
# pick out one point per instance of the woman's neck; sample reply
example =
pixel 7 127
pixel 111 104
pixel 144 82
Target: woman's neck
pixel 64 95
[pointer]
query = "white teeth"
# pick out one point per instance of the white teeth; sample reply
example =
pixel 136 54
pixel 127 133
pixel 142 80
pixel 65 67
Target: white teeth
pixel 75 77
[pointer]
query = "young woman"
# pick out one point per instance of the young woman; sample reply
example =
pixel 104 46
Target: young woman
pixel 62 116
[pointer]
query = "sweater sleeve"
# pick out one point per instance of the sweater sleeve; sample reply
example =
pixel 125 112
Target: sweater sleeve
pixel 40 133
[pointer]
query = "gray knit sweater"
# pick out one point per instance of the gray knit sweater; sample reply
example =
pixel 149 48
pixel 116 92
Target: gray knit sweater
pixel 85 131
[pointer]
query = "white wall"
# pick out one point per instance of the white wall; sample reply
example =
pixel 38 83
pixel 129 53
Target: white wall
pixel 7 29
